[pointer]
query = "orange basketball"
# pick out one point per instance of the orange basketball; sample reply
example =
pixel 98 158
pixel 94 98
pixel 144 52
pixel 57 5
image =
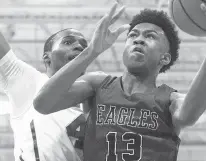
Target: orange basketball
pixel 188 16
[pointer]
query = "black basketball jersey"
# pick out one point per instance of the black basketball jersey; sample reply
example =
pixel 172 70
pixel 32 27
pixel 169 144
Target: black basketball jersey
pixel 130 128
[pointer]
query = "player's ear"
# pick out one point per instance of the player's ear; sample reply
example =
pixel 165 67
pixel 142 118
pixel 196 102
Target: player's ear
pixel 46 59
pixel 165 59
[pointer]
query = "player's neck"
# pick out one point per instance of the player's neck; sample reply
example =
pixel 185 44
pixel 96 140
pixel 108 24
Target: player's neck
pixel 135 84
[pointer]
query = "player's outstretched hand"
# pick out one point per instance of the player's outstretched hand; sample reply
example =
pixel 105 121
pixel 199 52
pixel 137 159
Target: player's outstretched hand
pixel 203 6
pixel 103 37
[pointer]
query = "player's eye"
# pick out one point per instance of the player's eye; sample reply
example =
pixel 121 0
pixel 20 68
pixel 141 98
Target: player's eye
pixel 150 36
pixel 67 43
pixel 132 35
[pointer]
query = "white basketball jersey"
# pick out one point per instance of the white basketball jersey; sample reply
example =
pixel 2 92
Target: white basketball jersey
pixel 37 137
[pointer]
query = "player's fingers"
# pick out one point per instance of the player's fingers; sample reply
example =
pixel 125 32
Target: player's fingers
pixel 101 20
pixel 118 15
pixel 101 25
pixel 120 30
pixel 112 10
pixel 119 2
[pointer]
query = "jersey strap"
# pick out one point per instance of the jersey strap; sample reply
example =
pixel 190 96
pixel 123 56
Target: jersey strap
pixel 107 81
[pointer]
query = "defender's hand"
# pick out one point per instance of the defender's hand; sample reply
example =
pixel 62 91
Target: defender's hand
pixel 103 37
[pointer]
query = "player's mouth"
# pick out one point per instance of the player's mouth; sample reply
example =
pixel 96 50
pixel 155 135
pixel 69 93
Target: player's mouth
pixel 138 54
pixel 138 50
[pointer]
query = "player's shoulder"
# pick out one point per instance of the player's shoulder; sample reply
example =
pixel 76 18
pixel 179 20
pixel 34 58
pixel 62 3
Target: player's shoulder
pixel 176 96
pixel 98 74
pixel 94 78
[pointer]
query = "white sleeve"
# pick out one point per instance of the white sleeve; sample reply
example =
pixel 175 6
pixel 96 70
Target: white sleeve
pixel 20 81
pixel 5 105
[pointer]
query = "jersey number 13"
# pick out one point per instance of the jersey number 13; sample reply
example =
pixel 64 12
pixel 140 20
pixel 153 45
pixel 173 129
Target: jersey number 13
pixel 133 143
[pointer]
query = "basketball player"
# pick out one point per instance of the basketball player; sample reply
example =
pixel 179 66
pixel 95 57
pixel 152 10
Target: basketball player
pixel 130 118
pixel 38 137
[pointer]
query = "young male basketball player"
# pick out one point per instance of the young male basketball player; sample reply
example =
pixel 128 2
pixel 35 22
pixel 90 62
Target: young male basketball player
pixel 130 118
pixel 38 137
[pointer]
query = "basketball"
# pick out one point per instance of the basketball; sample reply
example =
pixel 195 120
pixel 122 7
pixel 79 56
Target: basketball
pixel 188 16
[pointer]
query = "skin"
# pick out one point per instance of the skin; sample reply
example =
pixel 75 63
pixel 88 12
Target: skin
pixel 67 48
pixel 143 68
pixel 64 50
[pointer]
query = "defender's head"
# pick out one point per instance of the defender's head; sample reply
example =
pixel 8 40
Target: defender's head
pixel 152 43
pixel 62 47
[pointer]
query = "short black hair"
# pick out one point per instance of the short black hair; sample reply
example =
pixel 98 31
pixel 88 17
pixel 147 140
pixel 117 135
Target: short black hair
pixel 50 41
pixel 161 19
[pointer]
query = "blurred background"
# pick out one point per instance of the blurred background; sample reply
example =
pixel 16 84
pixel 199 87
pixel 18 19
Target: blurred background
pixel 28 23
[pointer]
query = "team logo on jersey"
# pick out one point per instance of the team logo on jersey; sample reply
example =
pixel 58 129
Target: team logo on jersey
pixel 132 117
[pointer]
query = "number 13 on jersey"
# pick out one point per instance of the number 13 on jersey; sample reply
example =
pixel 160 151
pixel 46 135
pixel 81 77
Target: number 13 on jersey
pixel 133 147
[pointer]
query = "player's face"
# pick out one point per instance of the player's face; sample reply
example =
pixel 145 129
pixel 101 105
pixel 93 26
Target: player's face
pixel 69 47
pixel 146 45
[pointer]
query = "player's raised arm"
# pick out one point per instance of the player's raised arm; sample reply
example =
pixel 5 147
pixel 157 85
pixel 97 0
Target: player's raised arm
pixel 63 87
pixel 47 102
pixel 187 109
pixel 191 106
pixel 18 79
pixel 4 46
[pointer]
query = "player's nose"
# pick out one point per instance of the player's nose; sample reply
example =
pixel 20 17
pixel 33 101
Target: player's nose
pixel 78 47
pixel 139 42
